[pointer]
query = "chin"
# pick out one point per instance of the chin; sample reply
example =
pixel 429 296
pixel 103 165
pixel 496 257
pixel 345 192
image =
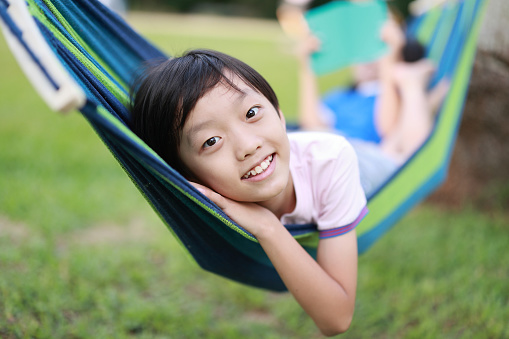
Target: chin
pixel 271 193
pixel 254 195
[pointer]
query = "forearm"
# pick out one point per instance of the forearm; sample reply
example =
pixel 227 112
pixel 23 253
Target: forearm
pixel 325 300
pixel 388 104
pixel 309 98
pixel 325 289
pixel 309 116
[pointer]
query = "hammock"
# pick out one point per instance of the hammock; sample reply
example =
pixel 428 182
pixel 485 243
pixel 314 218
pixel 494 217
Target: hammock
pixel 79 55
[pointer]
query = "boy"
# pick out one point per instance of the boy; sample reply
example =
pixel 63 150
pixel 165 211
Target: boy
pixel 217 121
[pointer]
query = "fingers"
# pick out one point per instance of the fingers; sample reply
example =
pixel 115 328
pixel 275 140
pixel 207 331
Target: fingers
pixel 215 197
pixel 308 45
pixel 249 215
pixel 291 19
pixel 200 188
pixel 394 37
pixel 313 43
pixel 392 34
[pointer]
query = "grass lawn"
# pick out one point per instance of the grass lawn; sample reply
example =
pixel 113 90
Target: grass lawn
pixel 82 255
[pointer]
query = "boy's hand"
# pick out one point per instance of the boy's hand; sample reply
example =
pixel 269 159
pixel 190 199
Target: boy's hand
pixel 253 217
pixel 307 46
pixel 393 36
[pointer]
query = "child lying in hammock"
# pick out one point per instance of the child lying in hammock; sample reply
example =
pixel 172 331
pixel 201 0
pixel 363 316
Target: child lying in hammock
pixel 386 117
pixel 217 121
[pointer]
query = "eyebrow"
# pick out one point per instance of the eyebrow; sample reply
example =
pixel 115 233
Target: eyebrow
pixel 196 128
pixel 241 94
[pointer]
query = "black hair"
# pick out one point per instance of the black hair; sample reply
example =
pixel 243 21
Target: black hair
pixel 164 94
pixel 413 50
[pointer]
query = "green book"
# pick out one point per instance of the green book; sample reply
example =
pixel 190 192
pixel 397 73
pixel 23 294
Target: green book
pixel 349 33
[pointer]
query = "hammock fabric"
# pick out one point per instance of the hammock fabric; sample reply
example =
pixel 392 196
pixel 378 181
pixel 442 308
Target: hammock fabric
pixel 101 53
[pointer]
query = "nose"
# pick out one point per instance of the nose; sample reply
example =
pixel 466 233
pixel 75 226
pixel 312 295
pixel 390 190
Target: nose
pixel 246 144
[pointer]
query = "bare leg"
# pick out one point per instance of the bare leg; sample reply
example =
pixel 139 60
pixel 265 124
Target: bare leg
pixel 416 116
pixel 388 105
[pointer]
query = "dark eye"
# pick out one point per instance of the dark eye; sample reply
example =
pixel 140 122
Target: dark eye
pixel 252 112
pixel 211 142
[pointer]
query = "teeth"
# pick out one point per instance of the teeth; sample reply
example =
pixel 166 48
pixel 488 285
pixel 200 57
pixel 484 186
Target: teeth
pixel 260 168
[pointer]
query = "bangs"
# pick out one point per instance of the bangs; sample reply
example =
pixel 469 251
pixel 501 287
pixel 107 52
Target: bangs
pixel 167 91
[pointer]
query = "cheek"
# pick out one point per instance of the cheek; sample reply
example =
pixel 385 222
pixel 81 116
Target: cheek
pixel 277 132
pixel 209 171
pixel 196 169
pixel 189 165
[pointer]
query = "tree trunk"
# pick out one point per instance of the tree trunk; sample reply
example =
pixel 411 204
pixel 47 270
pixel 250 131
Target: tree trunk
pixel 479 172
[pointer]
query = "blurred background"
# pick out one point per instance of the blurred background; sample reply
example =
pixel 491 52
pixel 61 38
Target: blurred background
pixel 82 255
pixel 479 172
pixel 245 8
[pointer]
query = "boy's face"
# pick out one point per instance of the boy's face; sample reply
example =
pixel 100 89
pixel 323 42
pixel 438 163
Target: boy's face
pixel 235 143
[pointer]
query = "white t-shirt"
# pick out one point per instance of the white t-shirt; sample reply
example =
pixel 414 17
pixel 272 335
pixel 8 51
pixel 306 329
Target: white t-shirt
pixel 325 175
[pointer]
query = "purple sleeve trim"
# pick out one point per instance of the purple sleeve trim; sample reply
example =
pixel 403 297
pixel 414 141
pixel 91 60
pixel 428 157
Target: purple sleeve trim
pixel 334 232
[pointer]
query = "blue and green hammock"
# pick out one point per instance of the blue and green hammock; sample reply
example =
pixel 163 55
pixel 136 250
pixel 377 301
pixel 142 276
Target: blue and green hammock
pixel 62 43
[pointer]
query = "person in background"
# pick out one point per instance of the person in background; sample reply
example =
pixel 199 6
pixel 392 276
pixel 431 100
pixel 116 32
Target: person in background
pixel 389 112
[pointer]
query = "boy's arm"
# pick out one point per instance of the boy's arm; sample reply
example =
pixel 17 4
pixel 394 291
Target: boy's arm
pixel 325 288
pixel 309 98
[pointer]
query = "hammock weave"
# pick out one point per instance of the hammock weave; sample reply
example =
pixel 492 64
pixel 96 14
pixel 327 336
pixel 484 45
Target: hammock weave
pixel 102 53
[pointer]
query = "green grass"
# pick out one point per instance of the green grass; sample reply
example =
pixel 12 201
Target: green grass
pixel 83 256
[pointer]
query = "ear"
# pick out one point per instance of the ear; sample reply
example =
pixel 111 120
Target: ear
pixel 282 117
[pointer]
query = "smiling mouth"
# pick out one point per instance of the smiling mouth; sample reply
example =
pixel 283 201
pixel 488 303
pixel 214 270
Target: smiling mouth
pixel 259 169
